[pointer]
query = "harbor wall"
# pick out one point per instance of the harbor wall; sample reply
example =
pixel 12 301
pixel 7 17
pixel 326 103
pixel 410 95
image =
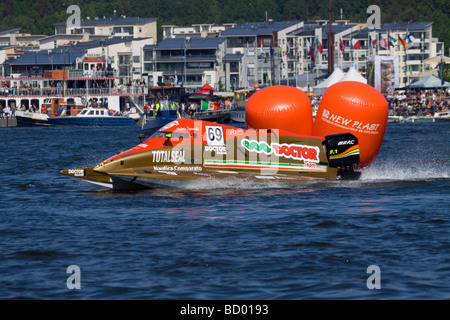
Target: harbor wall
pixel 4 123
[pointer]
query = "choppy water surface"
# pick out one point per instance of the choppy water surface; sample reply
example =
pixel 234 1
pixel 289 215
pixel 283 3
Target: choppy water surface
pixel 236 240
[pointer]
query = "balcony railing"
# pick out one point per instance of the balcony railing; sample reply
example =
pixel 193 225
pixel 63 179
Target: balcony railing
pixel 48 91
pixel 69 74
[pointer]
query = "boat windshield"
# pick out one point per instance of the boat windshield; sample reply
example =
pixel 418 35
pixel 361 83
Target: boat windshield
pixel 174 135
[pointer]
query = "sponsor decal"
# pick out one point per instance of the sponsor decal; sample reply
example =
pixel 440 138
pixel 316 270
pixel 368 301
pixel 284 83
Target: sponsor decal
pixel 234 164
pixel 169 156
pixel 178 168
pixel 187 129
pixel 349 152
pixel 235 131
pixel 309 154
pixel 216 149
pixel 347 142
pixel 349 124
pixel 77 172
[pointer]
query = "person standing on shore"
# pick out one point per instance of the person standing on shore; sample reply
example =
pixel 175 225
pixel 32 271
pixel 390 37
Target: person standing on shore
pixel 7 112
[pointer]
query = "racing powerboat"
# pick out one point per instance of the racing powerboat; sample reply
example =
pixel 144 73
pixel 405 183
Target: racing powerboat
pixel 187 151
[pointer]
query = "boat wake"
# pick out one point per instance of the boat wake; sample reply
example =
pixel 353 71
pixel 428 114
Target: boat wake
pixel 236 184
pixel 393 170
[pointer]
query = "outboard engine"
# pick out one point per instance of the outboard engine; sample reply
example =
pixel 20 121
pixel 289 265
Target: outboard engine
pixel 342 150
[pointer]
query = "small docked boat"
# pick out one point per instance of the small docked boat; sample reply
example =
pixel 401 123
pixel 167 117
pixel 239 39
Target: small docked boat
pixel 32 119
pixel 93 117
pixel 152 124
pixel 437 117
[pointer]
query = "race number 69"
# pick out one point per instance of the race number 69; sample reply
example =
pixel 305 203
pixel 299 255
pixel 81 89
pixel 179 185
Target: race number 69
pixel 214 135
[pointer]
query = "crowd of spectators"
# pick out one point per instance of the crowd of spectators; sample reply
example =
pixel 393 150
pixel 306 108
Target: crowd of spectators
pixel 418 103
pixel 187 110
pixel 409 103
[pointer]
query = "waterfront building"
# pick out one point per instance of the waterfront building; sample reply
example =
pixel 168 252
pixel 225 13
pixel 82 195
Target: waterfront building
pixel 355 44
pixel 202 30
pixel 252 56
pixel 419 46
pixel 308 53
pixel 113 26
pixel 106 70
pixel 187 62
pixel 228 56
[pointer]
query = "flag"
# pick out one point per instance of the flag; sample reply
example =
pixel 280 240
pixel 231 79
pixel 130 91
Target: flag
pixel 287 48
pixel 263 53
pixel 355 43
pixel 319 46
pixel 279 51
pixel 402 42
pixel 310 50
pixel 410 37
pixel 371 44
pixel 341 45
pixel 185 47
pixel 392 38
pixel 175 78
pixel 205 105
pixel 382 42
pixel 271 50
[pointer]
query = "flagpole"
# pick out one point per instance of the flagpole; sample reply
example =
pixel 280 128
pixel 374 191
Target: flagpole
pixel 408 71
pixel 307 72
pixel 296 63
pixel 330 42
pixel 351 46
pixel 256 60
pixel 378 43
pixel 184 71
pixel 272 75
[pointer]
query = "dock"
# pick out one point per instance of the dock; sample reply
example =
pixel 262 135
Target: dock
pixel 6 123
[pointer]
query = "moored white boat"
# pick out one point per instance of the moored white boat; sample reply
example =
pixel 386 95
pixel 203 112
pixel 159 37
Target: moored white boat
pixel 31 119
pixel 437 117
pixel 93 117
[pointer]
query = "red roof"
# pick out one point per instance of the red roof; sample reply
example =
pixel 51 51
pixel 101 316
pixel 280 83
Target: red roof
pixel 94 59
pixel 205 89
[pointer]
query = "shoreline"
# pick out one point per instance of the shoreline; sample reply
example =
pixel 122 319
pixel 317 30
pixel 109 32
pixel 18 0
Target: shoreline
pixel 8 123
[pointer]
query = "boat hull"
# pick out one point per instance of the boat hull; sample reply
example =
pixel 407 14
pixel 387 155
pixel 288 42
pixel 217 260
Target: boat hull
pixel 189 152
pixel 29 119
pixel 92 121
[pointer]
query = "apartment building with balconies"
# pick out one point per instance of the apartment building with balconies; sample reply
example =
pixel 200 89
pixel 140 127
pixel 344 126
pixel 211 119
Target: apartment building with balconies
pixel 113 26
pixel 187 62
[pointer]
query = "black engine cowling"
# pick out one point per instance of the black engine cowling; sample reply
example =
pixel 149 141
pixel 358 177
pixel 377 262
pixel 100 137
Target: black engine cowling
pixel 342 150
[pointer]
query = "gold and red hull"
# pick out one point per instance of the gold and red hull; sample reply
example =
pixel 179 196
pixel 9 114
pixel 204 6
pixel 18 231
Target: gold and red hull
pixel 187 152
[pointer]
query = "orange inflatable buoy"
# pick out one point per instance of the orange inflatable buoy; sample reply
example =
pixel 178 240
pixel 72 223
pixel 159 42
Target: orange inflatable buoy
pixel 280 107
pixel 357 108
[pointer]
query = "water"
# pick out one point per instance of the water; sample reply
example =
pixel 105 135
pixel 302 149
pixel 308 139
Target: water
pixel 235 240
